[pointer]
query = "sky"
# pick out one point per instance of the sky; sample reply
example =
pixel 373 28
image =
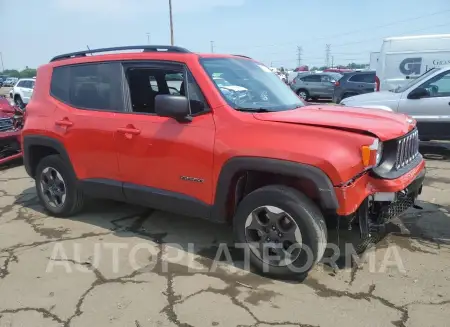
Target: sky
pixel 33 31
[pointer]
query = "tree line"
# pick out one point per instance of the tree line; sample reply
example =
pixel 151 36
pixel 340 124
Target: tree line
pixel 25 73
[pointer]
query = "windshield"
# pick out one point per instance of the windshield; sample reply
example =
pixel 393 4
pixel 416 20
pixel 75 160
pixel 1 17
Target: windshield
pixel 403 88
pixel 260 89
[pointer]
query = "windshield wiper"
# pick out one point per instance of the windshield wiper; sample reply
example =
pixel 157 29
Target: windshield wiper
pixel 253 109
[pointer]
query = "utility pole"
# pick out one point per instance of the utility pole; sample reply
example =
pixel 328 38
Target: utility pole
pixel 327 54
pixel 212 46
pixel 148 38
pixel 171 23
pixel 1 59
pixel 332 61
pixel 299 55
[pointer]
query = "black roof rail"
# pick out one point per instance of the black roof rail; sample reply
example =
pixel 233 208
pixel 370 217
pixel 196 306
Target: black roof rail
pixel 237 55
pixel 144 48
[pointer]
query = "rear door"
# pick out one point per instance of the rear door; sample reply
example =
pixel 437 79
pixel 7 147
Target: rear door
pixel 27 90
pixel 327 86
pixel 87 98
pixel 362 83
pixel 432 113
pixel 312 84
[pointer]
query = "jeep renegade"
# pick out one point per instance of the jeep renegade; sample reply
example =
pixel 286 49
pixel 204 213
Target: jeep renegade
pixel 154 127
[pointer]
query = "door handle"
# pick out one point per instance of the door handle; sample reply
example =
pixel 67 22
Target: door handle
pixel 64 123
pixel 129 130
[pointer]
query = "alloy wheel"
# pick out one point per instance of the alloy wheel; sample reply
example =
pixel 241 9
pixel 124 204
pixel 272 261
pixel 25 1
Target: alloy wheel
pixel 53 187
pixel 302 95
pixel 273 236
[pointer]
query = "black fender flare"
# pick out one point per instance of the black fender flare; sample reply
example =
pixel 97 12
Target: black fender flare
pixel 328 199
pixel 33 140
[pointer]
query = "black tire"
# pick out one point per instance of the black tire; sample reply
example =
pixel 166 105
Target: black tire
pixel 299 91
pixel 18 101
pixel 306 214
pixel 74 199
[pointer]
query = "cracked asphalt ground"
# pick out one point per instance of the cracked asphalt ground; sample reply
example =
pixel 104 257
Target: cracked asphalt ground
pixel 120 265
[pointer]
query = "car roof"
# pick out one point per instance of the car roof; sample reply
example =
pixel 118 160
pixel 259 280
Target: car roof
pixel 132 52
pixel 360 72
pixel 27 79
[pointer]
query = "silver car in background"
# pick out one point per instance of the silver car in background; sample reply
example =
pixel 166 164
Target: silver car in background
pixel 315 86
pixel 426 99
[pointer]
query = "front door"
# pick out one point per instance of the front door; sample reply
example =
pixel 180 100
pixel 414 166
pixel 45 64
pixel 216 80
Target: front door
pixel 432 113
pixel 163 163
pixel 87 98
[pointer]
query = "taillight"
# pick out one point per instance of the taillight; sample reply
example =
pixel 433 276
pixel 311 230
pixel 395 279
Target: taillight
pixel 337 83
pixel 294 80
pixel 377 84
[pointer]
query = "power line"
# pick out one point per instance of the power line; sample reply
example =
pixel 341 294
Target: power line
pixel 363 41
pixel 358 30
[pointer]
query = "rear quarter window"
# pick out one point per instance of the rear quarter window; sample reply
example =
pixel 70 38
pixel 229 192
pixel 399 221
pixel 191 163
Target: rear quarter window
pixel 88 86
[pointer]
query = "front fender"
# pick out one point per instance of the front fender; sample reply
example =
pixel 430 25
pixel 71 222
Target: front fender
pixel 320 180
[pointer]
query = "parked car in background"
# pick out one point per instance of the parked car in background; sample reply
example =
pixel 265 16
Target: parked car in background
pixel 354 83
pixel 315 86
pixel 426 99
pixel 22 91
pixel 296 74
pixel 407 57
pixel 10 81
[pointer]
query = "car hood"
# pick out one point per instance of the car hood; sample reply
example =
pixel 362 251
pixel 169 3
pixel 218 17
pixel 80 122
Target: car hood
pixel 383 124
pixel 372 98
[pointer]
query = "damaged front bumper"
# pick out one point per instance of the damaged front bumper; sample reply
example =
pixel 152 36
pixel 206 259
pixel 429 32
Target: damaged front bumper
pixel 371 202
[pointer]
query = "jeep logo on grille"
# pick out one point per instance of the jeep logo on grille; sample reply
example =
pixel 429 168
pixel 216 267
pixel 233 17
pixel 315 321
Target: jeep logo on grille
pixel 410 66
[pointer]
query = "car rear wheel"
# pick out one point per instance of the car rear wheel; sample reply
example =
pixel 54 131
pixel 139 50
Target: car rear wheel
pixel 303 94
pixel 57 188
pixel 283 231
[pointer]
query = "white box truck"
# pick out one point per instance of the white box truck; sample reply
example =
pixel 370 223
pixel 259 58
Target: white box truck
pixel 407 57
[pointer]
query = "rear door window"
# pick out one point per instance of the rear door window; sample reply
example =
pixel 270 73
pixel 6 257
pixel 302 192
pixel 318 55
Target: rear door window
pixel 312 78
pixel 363 78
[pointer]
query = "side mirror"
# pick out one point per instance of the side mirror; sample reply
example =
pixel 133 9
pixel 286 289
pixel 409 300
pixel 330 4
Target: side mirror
pixel 173 106
pixel 419 93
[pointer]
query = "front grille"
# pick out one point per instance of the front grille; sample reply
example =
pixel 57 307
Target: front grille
pixel 407 149
pixel 399 206
pixel 5 124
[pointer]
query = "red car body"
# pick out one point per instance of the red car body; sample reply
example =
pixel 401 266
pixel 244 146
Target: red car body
pixel 326 137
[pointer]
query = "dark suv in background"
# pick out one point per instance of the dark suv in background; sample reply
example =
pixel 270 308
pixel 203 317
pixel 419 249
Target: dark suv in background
pixel 354 83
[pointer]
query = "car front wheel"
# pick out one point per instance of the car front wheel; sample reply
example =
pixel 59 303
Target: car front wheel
pixel 283 231
pixel 57 188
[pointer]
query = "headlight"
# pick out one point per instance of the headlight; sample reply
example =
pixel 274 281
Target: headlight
pixel 371 154
pixel 379 153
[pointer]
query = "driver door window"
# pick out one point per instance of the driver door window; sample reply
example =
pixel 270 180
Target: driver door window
pixel 438 86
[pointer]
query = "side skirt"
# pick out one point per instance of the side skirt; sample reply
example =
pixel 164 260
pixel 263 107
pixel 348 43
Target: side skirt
pixel 163 200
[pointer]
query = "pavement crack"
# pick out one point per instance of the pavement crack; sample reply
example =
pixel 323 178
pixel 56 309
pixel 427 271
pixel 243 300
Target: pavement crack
pixel 45 313
pixel 324 291
pixel 4 271
pixel 100 280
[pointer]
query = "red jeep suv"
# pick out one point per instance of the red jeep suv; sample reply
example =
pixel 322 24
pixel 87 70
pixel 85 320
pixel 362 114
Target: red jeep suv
pixel 219 137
